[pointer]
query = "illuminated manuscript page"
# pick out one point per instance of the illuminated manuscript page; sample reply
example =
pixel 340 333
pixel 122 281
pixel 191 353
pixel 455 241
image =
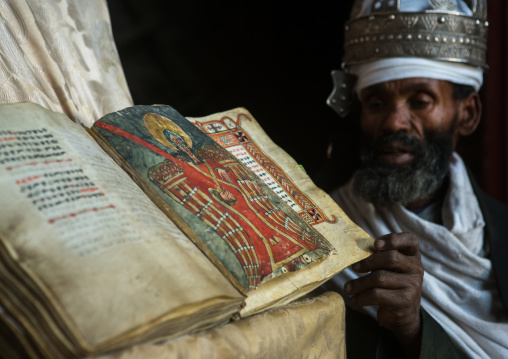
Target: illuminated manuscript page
pixel 238 132
pixel 250 228
pixel 108 260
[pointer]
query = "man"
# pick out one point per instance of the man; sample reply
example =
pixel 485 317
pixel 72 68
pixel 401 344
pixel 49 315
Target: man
pixel 439 261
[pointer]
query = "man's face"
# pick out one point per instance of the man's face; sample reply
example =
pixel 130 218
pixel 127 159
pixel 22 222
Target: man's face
pixel 409 129
pixel 414 106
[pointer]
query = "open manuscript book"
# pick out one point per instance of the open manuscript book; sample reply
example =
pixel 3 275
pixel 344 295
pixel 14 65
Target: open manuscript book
pixel 175 225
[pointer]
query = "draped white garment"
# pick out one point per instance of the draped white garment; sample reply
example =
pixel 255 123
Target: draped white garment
pixel 62 56
pixel 459 289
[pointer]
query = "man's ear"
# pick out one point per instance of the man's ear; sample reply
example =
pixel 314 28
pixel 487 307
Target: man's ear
pixel 470 112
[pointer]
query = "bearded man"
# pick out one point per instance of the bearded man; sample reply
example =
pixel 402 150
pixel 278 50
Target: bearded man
pixel 437 280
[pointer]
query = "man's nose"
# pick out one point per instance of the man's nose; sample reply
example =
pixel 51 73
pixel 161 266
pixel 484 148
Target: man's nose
pixel 397 119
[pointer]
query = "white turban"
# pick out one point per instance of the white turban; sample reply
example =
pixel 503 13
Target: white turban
pixel 397 68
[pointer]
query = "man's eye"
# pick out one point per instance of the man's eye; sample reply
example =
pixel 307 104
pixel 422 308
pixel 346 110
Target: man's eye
pixel 420 102
pixel 374 105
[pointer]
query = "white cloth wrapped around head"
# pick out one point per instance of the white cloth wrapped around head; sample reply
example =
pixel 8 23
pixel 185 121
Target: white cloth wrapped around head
pixel 455 6
pixel 397 68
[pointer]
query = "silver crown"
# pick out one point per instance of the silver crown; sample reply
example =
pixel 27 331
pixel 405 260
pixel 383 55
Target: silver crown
pixel 447 30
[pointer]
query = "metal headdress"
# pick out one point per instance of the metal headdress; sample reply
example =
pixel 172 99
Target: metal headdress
pixel 445 30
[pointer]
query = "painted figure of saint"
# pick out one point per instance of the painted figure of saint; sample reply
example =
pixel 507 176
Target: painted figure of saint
pixel 219 191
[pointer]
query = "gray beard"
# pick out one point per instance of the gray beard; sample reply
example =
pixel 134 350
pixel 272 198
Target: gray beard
pixel 387 184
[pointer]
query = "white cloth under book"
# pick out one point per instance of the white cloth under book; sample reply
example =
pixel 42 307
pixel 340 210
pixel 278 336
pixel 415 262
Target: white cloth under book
pixel 307 328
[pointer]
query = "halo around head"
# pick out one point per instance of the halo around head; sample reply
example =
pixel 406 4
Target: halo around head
pixel 156 124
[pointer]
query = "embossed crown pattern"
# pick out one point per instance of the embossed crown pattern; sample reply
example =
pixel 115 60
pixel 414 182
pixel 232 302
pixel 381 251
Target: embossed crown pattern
pixel 439 33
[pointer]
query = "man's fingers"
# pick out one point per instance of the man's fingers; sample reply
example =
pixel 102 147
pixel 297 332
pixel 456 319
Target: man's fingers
pixel 380 297
pixel 377 279
pixel 396 251
pixel 394 282
pixel 398 311
pixel 406 243
pixel 387 260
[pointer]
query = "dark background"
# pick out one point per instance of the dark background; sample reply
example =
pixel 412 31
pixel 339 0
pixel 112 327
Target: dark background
pixel 275 59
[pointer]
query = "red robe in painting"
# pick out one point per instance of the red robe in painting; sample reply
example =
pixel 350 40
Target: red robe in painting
pixel 218 190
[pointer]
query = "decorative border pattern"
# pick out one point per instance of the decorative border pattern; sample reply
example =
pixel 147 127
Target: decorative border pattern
pixel 439 36
pixel 227 132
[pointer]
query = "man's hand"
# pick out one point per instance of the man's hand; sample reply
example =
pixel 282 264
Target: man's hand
pixel 394 284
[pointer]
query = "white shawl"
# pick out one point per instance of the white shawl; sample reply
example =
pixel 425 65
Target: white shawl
pixel 459 289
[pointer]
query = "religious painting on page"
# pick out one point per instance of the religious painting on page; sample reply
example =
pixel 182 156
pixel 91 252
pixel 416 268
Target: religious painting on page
pixel 246 225
pixel 226 129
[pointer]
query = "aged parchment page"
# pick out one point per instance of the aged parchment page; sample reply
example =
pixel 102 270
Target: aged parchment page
pixel 113 267
pixel 241 135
